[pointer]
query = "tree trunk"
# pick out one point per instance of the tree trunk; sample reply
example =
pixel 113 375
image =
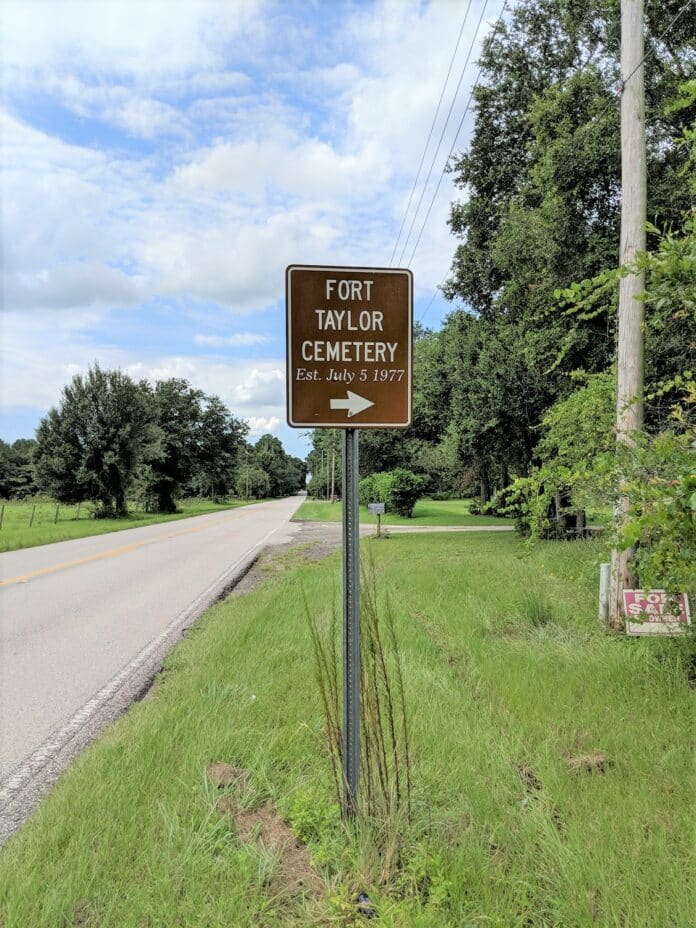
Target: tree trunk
pixel 485 488
pixel 558 518
pixel 580 523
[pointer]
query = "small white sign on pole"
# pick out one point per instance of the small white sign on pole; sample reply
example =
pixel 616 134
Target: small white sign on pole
pixel 376 508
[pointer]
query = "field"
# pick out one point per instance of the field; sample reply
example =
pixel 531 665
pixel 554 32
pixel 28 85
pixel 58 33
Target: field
pixel 19 531
pixel 552 774
pixel 426 512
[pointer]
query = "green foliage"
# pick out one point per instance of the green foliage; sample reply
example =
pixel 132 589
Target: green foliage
pixel 177 409
pixel 659 478
pixel 112 438
pixel 200 444
pixel 324 462
pixel 220 440
pixel 578 435
pixel 286 474
pixel 16 469
pixel 250 482
pixel 399 490
pixel 91 446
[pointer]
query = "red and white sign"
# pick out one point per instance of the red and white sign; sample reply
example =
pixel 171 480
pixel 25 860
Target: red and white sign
pixel 655 612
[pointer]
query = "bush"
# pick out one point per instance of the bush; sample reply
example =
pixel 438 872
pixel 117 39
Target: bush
pixel 398 489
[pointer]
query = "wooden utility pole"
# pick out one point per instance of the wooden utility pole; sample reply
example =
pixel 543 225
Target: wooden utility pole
pixel 630 374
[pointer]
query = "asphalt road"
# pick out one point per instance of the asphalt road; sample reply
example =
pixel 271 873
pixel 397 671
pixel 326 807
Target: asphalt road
pixel 85 623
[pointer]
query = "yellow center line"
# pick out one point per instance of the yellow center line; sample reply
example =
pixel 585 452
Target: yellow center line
pixel 114 552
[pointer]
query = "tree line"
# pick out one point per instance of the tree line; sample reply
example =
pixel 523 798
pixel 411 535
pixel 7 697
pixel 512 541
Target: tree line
pixel 112 439
pixel 514 397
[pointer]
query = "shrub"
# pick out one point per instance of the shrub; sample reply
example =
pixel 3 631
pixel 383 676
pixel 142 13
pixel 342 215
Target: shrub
pixel 398 489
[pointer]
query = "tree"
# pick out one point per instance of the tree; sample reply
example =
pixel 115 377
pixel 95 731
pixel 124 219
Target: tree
pixel 286 474
pixel 220 440
pixel 16 469
pixel 541 211
pixel 178 413
pixel 91 445
pixel 251 482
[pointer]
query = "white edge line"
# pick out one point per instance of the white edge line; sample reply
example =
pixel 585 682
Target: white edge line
pixel 36 761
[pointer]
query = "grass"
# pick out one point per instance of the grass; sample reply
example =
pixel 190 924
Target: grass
pixel 509 681
pixel 426 512
pixel 16 531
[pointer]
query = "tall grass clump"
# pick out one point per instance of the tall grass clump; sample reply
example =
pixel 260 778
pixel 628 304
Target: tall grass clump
pixel 386 780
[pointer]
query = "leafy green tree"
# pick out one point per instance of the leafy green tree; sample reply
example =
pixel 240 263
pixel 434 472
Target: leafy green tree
pixel 285 473
pixel 541 211
pixel 8 471
pixel 251 482
pixel 91 446
pixel 219 446
pixel 178 410
pixel 16 469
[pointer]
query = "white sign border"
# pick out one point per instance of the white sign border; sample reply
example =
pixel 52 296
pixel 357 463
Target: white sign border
pixel 643 629
pixel 288 327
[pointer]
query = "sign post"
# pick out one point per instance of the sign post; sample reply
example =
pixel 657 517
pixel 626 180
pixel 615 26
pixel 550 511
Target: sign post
pixel 377 509
pixel 349 366
pixel 351 623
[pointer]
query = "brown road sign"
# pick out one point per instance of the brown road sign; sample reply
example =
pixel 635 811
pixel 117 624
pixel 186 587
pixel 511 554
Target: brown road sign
pixel 350 352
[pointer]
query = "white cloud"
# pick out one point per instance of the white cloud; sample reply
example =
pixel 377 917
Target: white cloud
pixel 242 136
pixel 261 425
pixel 262 386
pixel 142 39
pixel 241 339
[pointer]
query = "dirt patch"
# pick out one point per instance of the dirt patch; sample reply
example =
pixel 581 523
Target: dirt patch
pixel 313 541
pixel 223 775
pixel 81 913
pixel 532 782
pixel 268 831
pixel 588 763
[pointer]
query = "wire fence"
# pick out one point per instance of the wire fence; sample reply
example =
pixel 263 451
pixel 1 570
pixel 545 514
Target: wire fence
pixel 32 513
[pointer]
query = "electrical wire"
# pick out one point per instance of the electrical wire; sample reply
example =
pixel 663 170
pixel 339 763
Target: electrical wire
pixel 430 134
pixel 444 129
pixel 622 84
pixel 454 143
pixel 651 50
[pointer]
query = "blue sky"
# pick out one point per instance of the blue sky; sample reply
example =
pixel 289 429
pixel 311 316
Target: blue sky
pixel 162 163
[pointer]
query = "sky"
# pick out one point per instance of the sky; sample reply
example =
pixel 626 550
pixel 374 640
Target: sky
pixel 161 163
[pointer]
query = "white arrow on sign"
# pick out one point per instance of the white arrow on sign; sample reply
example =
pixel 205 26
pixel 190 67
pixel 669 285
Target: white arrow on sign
pixel 354 403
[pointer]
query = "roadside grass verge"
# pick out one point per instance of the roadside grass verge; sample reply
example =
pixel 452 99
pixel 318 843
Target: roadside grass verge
pixel 553 783
pixel 426 512
pixel 16 531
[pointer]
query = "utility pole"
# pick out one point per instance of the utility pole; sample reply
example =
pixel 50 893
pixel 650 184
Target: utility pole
pixel 630 364
pixel 247 472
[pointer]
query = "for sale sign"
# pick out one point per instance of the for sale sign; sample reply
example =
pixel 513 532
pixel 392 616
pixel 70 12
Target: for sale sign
pixel 349 358
pixel 655 612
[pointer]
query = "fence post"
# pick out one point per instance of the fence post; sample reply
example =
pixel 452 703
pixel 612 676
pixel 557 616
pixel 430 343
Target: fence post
pixel 77 517
pixel 55 518
pixel 33 512
pixel 2 514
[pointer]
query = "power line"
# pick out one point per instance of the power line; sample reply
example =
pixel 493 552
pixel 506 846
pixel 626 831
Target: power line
pixel 430 134
pixel 651 50
pixel 459 129
pixel 444 129
pixel 582 129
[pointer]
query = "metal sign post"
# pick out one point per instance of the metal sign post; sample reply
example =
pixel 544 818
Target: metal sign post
pixel 351 623
pixel 349 366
